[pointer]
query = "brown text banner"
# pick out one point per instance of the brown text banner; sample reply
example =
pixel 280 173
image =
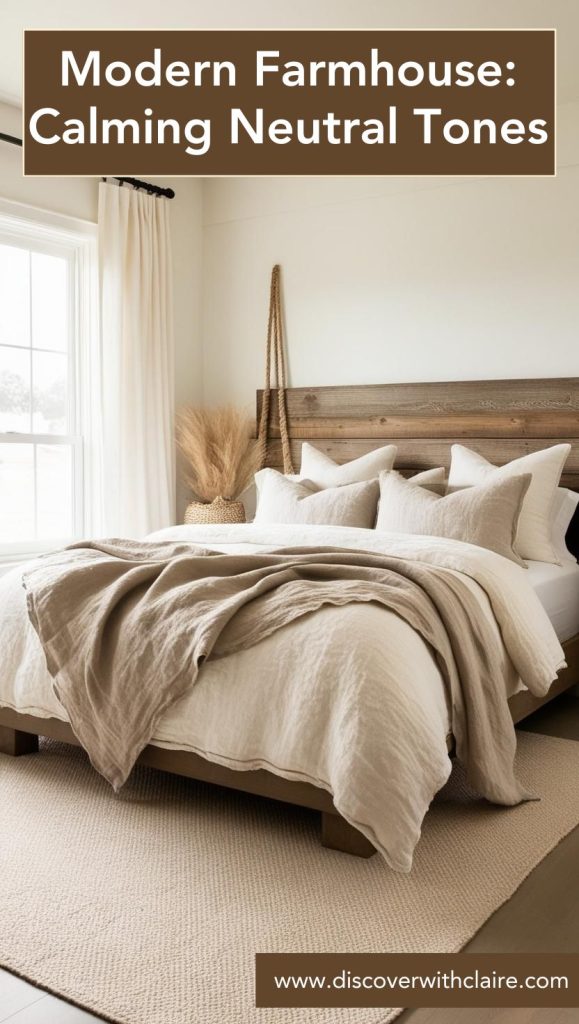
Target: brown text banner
pixel 417 979
pixel 294 102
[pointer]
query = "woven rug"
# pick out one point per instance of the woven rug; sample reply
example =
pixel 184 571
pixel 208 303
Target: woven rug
pixel 148 907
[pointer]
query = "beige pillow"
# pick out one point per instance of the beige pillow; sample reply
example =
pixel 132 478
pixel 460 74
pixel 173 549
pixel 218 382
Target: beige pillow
pixel 289 501
pixel 486 515
pixel 534 532
pixel 432 479
pixel 324 472
pixel 564 508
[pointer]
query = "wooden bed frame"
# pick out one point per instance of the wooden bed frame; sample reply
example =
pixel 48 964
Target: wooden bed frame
pixel 500 419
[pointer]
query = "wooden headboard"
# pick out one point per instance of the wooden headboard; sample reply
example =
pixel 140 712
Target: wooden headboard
pixel 501 419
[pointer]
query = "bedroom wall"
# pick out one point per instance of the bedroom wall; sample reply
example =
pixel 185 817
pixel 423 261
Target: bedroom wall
pixel 77 197
pixel 394 279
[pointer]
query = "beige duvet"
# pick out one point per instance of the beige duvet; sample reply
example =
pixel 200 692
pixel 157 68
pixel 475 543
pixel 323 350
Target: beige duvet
pixel 349 698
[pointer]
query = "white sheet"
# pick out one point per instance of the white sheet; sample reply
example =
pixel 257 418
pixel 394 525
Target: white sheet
pixel 368 721
pixel 557 587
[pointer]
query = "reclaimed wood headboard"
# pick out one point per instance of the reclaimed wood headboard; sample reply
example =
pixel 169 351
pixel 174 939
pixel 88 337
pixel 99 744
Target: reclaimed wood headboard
pixel 501 419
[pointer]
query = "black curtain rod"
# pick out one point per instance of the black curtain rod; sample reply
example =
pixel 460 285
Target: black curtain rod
pixel 11 139
pixel 153 190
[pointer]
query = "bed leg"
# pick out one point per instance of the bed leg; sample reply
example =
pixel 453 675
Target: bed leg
pixel 338 834
pixel 14 742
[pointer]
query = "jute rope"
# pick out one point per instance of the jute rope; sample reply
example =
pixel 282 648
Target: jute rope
pixel 275 352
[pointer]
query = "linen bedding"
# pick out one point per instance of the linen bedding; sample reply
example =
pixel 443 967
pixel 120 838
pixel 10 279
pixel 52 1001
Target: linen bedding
pixel 349 698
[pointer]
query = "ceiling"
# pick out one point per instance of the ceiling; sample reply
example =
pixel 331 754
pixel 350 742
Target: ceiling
pixel 560 14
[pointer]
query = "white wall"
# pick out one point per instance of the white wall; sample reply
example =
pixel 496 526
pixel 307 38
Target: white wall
pixel 77 197
pixel 390 279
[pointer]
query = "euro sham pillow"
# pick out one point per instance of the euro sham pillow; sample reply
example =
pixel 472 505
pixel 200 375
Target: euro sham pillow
pixel 468 468
pixel 322 471
pixel 486 515
pixel 564 508
pixel 280 500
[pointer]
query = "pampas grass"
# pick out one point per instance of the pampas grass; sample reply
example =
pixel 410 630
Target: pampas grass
pixel 219 456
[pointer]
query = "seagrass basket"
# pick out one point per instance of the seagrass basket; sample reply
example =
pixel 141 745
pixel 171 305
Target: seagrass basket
pixel 220 510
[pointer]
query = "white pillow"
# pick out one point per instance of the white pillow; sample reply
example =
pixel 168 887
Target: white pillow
pixel 468 468
pixel 280 500
pixel 486 515
pixel 432 479
pixel 324 472
pixel 564 508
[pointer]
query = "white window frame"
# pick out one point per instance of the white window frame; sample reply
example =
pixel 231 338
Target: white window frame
pixel 55 234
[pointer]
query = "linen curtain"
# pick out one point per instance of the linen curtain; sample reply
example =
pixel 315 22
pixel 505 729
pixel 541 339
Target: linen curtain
pixel 137 361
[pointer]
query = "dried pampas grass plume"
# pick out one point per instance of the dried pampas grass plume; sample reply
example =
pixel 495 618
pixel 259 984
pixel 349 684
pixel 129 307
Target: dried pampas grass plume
pixel 219 454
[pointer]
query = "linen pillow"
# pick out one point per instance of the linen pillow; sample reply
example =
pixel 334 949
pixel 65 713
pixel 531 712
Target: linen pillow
pixel 289 501
pixel 431 479
pixel 564 508
pixel 324 472
pixel 534 532
pixel 486 515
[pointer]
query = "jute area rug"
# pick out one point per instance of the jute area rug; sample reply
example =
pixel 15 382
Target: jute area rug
pixel 148 907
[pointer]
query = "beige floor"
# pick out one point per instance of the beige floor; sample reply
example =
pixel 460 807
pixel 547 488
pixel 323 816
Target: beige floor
pixel 543 916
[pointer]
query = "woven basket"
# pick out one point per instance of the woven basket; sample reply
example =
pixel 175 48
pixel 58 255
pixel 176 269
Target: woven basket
pixel 221 510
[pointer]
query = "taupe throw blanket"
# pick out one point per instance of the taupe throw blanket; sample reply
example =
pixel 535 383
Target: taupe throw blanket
pixel 125 627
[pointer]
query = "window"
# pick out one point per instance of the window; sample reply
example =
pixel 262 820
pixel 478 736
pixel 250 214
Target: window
pixel 45 287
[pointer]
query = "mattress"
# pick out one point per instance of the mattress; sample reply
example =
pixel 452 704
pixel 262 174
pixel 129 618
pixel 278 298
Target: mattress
pixel 557 587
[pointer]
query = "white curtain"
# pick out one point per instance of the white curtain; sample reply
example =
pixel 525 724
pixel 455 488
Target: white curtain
pixel 137 361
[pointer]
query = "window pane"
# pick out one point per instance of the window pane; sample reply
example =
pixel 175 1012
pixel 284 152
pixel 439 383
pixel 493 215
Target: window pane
pixel 49 302
pixel 14 295
pixel 49 393
pixel 54 491
pixel 16 492
pixel 38 484
pixel 14 390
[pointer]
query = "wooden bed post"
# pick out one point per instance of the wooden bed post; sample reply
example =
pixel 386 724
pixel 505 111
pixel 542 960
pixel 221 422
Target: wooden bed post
pixel 338 834
pixel 15 743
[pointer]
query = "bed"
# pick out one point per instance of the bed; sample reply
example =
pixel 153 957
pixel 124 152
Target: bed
pixel 501 420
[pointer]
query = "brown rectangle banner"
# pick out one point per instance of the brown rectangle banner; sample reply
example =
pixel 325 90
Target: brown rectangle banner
pixel 289 102
pixel 417 979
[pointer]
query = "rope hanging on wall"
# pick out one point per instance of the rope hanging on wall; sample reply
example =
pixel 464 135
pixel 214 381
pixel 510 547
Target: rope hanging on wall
pixel 275 357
